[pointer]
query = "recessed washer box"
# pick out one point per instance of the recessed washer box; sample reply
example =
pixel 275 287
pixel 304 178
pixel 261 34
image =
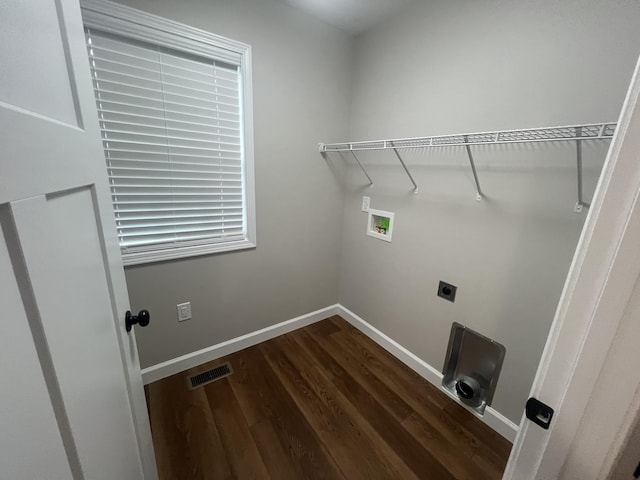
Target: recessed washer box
pixel 380 224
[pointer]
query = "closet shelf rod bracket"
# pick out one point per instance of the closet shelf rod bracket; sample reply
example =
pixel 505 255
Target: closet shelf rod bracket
pixel 415 186
pixel 362 168
pixel 479 193
pixel 580 203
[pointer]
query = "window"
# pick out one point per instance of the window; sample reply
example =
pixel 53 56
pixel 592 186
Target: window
pixel 174 107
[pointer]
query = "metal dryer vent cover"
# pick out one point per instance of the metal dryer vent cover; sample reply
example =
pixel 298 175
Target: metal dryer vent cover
pixel 472 367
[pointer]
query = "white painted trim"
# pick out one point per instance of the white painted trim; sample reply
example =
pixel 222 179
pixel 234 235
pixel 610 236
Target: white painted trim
pixel 599 287
pixel 370 226
pixel 119 19
pixel 122 20
pixel 186 251
pixel 190 360
pixel 491 417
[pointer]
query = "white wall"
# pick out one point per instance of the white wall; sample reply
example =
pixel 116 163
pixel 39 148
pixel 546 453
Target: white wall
pixel 301 77
pixel 463 66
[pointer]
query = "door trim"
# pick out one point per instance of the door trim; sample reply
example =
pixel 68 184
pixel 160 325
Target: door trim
pixel 598 287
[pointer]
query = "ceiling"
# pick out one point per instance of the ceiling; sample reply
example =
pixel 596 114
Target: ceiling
pixel 352 16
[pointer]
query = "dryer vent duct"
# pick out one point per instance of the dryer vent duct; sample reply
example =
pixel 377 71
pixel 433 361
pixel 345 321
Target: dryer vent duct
pixel 472 367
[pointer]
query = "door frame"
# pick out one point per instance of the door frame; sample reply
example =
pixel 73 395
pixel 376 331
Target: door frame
pixel 599 286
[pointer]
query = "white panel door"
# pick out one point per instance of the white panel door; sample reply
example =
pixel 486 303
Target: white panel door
pixel 72 399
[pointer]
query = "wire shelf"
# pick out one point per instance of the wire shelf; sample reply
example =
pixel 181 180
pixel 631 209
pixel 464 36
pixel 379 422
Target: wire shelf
pixel 574 133
pixel 595 131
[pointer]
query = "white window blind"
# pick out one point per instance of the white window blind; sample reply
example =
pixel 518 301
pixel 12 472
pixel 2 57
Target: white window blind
pixel 172 134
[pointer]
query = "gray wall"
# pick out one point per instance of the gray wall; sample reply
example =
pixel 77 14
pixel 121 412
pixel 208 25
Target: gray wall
pixel 438 67
pixel 462 66
pixel 301 77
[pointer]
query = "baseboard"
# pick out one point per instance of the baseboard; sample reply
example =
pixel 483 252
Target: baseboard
pixel 190 360
pixel 491 417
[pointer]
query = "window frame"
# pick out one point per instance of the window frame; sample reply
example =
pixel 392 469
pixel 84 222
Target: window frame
pixel 128 22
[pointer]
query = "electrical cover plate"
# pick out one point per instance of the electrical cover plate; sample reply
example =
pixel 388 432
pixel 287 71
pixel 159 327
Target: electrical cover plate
pixel 184 311
pixel 366 204
pixel 447 291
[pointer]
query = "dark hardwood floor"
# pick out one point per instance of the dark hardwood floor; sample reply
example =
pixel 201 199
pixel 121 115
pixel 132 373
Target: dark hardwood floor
pixel 323 402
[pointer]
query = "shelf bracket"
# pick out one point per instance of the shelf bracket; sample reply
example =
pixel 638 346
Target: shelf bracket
pixel 479 193
pixel 580 203
pixel 362 168
pixel 415 186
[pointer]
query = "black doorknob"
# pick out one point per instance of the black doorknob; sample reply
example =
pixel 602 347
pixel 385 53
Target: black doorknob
pixel 141 319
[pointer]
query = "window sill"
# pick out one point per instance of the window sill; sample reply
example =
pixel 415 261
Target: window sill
pixel 140 258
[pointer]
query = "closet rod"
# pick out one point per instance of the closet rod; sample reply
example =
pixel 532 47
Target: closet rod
pixel 592 131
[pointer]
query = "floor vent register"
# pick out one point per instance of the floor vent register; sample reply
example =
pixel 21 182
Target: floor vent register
pixel 201 379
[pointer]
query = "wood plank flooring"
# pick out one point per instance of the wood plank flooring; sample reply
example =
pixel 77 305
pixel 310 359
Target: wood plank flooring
pixel 323 402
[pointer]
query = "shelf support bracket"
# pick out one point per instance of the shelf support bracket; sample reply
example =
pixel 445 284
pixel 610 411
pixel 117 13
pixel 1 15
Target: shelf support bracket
pixel 362 168
pixel 415 186
pixel 479 193
pixel 580 203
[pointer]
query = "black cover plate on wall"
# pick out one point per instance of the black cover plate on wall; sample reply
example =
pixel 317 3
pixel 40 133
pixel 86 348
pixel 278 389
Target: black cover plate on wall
pixel 447 291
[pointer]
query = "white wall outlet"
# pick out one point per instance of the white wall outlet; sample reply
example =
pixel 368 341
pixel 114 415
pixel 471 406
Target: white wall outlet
pixel 184 311
pixel 366 202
